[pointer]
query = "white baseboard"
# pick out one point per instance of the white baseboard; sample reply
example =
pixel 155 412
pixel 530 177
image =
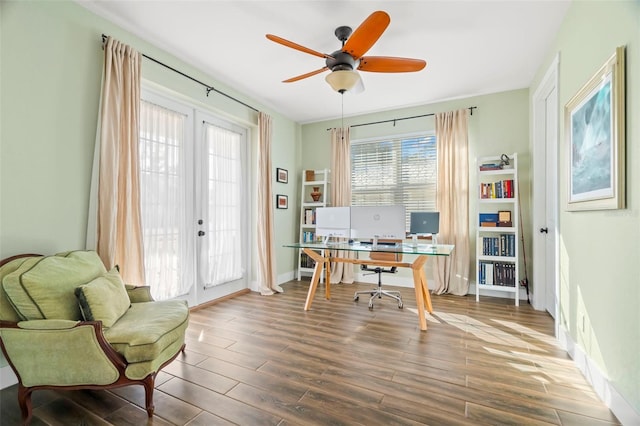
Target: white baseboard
pixel 7 378
pixel 286 277
pixel 625 413
pixel 280 279
pixel 522 294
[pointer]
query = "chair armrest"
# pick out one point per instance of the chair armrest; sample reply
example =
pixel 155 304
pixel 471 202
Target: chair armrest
pixel 139 294
pixel 57 352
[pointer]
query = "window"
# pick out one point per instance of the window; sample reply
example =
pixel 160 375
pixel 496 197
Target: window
pixel 395 170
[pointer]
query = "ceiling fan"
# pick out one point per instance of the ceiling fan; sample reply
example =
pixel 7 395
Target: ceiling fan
pixel 343 63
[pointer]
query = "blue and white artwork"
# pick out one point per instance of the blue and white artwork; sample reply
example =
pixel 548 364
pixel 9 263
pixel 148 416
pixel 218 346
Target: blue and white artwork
pixel 592 145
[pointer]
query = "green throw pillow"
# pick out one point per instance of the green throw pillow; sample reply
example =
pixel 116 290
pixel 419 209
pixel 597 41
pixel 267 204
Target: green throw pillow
pixel 103 299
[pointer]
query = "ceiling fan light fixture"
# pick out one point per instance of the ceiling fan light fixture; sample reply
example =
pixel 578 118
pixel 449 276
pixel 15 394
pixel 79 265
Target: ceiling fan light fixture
pixel 343 80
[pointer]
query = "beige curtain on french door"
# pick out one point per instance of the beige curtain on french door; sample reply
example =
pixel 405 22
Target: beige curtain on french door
pixel 341 192
pixel 266 246
pixel 452 201
pixel 118 227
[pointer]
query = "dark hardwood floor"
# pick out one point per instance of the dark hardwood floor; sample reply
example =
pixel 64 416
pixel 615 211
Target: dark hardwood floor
pixel 257 360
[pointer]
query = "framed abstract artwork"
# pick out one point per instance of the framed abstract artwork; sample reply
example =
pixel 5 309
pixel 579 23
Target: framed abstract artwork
pixel 595 137
pixel 282 201
pixel 282 175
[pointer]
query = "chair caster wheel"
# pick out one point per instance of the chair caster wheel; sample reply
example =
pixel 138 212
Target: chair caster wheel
pixel 400 305
pixel 355 299
pixel 371 306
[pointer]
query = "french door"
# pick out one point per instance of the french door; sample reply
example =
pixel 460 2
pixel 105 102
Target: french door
pixel 193 201
pixel 221 208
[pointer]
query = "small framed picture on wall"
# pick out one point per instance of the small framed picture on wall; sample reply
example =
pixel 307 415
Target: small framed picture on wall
pixel 282 175
pixel 282 201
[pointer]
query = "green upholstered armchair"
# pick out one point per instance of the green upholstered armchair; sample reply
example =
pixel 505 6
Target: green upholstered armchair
pixel 68 323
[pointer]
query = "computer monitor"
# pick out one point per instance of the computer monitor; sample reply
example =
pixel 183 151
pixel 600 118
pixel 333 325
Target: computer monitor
pixel 376 222
pixel 424 223
pixel 333 222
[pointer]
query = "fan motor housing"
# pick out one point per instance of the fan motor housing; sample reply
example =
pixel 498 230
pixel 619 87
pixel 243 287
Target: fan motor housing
pixel 341 61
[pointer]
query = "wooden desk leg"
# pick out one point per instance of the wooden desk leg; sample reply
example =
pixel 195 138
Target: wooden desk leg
pixel 425 291
pixel 418 274
pixel 327 278
pixel 419 299
pixel 317 271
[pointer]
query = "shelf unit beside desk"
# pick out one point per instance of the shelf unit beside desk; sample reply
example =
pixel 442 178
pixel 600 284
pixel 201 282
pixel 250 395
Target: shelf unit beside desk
pixel 311 179
pixel 497 253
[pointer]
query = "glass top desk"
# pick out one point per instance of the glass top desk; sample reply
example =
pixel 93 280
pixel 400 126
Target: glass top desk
pixel 325 253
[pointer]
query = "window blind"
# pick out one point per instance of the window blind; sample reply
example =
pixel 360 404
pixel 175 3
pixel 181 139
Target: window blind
pixel 396 170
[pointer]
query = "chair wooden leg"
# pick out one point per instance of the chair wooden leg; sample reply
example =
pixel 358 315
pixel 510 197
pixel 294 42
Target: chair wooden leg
pixel 148 384
pixel 24 400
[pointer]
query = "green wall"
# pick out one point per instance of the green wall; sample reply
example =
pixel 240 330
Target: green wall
pixel 600 250
pixel 498 125
pixel 51 68
pixel 50 79
pixel 50 65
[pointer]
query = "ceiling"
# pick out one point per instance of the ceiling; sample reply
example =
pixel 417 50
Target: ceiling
pixel 472 47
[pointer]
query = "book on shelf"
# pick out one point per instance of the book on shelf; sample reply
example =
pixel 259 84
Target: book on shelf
pixel 499 189
pixel 488 219
pixel 309 216
pixel 308 237
pixel 306 261
pixel 497 274
pixel 489 274
pixel 502 245
pixel 490 166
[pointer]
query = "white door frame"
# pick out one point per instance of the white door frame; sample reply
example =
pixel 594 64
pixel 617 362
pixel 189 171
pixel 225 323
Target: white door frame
pixel 546 113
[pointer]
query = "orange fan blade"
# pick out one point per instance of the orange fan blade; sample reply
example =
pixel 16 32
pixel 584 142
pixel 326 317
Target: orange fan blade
pixel 309 74
pixel 367 34
pixel 296 46
pixel 390 64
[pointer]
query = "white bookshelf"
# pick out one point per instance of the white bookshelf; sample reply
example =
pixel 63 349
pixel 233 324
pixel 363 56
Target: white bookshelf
pixel 497 253
pixel 321 179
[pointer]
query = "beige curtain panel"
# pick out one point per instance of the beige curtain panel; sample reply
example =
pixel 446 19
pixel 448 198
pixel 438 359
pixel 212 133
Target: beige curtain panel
pixel 119 229
pixel 266 241
pixel 341 193
pixel 452 200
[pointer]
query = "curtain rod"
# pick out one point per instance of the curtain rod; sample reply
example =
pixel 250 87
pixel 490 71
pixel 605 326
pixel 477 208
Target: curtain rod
pixel 207 87
pixel 393 120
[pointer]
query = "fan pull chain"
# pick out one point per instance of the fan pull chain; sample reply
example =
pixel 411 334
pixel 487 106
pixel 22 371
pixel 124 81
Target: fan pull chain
pixel 342 116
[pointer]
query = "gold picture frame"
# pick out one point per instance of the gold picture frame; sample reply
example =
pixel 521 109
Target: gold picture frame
pixel 595 138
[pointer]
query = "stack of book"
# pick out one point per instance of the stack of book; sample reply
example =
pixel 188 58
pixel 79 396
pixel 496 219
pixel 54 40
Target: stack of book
pixel 490 166
pixel 308 237
pixel 500 189
pixel 497 273
pixel 502 245
pixel 489 219
pixel 309 216
pixel 306 261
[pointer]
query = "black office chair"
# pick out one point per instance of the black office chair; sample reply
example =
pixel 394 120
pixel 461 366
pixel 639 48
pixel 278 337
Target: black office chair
pixel 378 291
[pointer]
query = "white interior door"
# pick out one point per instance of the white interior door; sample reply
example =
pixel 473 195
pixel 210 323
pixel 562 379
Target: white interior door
pixel 545 193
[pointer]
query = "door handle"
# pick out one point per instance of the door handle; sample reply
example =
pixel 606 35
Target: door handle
pixel 201 233
pixel 544 230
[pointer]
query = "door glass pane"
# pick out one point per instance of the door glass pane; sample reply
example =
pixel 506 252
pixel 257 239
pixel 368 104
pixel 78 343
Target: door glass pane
pixel 162 199
pixel 221 258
